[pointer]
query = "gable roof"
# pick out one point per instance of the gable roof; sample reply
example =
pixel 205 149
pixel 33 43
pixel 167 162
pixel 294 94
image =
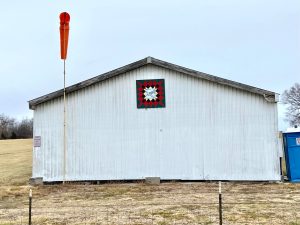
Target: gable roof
pixel 269 95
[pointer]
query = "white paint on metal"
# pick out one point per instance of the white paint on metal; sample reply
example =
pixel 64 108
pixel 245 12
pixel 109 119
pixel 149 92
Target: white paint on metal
pixel 207 131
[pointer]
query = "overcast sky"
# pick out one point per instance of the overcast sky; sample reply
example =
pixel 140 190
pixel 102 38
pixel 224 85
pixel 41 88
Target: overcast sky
pixel 256 42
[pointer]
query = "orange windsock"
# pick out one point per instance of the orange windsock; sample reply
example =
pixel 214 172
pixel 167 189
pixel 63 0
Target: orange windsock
pixel 64 34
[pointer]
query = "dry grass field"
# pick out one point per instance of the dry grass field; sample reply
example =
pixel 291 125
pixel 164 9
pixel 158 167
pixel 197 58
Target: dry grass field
pixel 138 203
pixel 15 161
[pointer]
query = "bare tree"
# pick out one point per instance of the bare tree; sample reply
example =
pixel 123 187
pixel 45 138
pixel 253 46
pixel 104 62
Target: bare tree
pixel 291 98
pixel 24 128
pixel 11 128
pixel 6 126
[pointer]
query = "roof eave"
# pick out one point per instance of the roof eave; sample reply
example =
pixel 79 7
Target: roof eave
pixel 268 95
pixel 211 78
pixel 86 83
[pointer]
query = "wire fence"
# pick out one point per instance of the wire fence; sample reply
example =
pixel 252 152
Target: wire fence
pixel 152 214
pixel 176 207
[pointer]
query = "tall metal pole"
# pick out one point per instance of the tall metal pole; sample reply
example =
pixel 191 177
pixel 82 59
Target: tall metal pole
pixel 65 136
pixel 64 35
pixel 64 18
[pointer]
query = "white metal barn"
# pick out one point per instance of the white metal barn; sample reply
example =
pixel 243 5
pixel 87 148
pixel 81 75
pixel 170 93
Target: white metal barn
pixel 155 119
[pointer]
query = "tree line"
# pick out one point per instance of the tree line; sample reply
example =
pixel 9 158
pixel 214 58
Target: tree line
pixel 11 128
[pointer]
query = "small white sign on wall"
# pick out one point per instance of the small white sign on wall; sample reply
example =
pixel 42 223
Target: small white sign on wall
pixel 37 141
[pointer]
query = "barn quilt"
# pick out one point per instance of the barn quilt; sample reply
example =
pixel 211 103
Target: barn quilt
pixel 151 93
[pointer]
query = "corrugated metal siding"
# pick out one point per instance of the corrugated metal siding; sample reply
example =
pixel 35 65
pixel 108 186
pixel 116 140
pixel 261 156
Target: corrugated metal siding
pixel 207 131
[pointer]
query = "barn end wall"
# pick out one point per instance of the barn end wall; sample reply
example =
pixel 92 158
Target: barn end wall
pixel 206 131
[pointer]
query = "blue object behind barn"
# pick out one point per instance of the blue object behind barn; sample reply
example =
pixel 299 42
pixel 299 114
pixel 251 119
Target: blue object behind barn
pixel 292 155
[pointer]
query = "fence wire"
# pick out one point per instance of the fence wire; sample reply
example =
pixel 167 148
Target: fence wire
pixel 161 209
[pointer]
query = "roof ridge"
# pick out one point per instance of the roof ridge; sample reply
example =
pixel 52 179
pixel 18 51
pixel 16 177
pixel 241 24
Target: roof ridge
pixel 269 95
